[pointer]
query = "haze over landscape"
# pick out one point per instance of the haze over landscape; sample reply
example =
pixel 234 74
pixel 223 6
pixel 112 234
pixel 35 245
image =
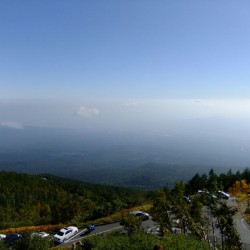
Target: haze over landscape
pixel 121 86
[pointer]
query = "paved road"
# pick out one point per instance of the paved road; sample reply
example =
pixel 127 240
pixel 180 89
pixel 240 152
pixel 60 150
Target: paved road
pixel 243 230
pixel 102 229
pixel 242 227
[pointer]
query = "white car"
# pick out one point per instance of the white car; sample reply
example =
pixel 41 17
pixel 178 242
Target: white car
pixel 143 215
pixel 2 236
pixel 224 195
pixel 40 234
pixel 64 234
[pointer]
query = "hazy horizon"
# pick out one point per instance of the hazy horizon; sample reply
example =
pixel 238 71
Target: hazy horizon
pixel 136 69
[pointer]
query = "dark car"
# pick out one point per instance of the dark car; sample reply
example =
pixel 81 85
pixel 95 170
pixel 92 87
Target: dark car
pixel 11 238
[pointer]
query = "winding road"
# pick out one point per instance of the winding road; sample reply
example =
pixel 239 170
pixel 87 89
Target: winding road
pixel 242 227
pixel 102 229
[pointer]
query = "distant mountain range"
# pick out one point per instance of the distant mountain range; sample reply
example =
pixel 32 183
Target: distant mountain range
pixel 142 161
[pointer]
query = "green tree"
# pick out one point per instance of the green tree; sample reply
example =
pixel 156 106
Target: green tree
pixel 29 242
pixel 132 223
pixel 180 209
pixel 195 184
pixel 161 209
pixel 212 183
pixel 224 216
pixel 198 224
pixel 29 214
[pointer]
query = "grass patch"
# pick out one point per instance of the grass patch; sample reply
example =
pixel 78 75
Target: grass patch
pixel 32 228
pixel 142 241
pixel 119 215
pixel 108 219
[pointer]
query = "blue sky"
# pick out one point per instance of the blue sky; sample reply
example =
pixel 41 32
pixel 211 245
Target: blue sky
pixel 123 62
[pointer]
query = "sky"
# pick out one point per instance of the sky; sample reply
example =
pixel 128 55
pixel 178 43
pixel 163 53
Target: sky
pixel 148 65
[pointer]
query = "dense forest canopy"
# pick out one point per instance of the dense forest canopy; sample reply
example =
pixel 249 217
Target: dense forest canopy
pixel 45 199
pixel 211 180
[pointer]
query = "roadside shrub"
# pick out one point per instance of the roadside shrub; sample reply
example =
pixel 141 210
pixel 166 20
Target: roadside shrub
pixel 88 244
pixel 2 245
pixel 132 223
pixel 142 241
pixel 29 242
pixel 32 228
pixel 247 211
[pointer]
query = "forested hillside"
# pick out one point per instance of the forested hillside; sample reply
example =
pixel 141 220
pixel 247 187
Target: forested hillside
pixel 45 199
pixel 27 200
pixel 211 180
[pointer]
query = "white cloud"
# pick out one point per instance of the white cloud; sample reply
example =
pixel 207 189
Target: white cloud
pixel 87 112
pixel 11 124
pixel 226 108
pixel 131 104
pixel 204 102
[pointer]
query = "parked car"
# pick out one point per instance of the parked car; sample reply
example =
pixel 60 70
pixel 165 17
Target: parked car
pixel 207 193
pixel 224 195
pixel 155 231
pixel 92 227
pixel 143 215
pixel 2 236
pixel 11 238
pixel 187 199
pixel 40 234
pixel 64 234
pixel 220 194
pixel 87 230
